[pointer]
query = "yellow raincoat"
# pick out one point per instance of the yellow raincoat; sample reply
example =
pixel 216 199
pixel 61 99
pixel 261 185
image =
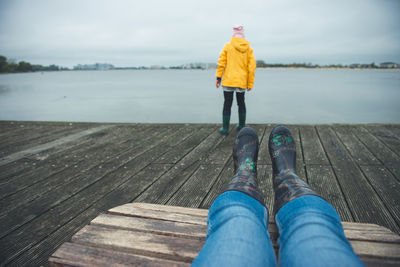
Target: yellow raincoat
pixel 236 64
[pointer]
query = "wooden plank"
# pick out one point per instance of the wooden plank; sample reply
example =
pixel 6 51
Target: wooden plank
pixel 376 249
pixel 312 148
pixel 264 175
pixel 322 179
pixel 28 133
pixel 44 158
pixel 393 128
pixel 71 254
pixel 220 155
pixel 386 135
pixel 191 193
pixel 356 149
pixel 173 156
pixel 131 210
pixel 387 187
pixel 174 209
pixel 40 139
pixel 359 194
pixel 300 163
pixel 14 130
pixel 263 152
pixel 162 190
pixel 60 141
pixel 374 236
pixel 63 164
pixel 364 227
pixel 221 182
pixel 160 227
pixel 146 244
pixel 379 150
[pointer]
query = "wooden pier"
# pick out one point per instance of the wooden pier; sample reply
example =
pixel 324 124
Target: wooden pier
pixel 56 177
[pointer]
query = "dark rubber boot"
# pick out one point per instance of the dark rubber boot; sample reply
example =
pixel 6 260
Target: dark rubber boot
pixel 287 185
pixel 224 130
pixel 245 153
pixel 242 121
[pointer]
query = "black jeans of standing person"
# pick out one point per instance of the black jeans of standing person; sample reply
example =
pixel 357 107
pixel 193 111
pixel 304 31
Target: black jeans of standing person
pixel 226 113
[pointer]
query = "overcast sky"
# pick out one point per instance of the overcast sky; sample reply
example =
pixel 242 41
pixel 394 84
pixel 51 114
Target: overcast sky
pixel 134 33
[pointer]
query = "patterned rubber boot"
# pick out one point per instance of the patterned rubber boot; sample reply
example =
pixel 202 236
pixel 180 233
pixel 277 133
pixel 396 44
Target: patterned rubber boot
pixel 224 130
pixel 245 153
pixel 242 121
pixel 287 185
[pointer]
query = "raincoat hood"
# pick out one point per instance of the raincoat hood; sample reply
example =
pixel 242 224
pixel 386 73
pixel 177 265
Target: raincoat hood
pixel 240 44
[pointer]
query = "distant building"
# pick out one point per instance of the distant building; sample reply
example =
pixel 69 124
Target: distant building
pixel 202 66
pixel 389 65
pixel 356 65
pixel 96 66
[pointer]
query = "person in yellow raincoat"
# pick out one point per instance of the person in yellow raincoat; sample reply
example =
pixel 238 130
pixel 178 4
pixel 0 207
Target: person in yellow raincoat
pixel 236 68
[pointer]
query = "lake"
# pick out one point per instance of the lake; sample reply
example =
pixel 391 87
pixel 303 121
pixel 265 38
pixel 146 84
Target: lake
pixel 189 96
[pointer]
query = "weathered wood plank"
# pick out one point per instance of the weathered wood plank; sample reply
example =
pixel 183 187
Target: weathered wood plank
pixel 41 139
pixel 387 187
pixel 362 200
pixel 387 136
pixel 155 226
pixel 300 163
pixel 44 158
pixel 263 152
pixel 63 165
pixel 219 185
pixel 162 190
pixel 131 210
pixel 43 147
pixel 171 209
pixel 312 149
pixel 379 149
pixel 375 249
pixel 146 244
pixel 360 154
pixel 322 179
pixel 223 151
pixel 26 133
pixel 193 191
pixel 264 175
pixel 173 156
pixel 71 254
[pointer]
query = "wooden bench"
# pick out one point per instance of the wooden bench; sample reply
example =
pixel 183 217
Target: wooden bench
pixel 157 235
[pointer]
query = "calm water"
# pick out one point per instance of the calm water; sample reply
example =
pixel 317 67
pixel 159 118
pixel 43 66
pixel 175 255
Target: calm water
pixel 190 96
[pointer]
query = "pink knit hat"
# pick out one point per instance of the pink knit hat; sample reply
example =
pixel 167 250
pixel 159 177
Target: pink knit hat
pixel 238 31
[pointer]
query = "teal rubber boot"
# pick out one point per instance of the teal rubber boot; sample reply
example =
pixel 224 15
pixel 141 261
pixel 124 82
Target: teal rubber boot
pixel 224 130
pixel 242 121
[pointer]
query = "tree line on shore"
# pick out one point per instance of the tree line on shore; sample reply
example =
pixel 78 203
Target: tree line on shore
pixel 386 65
pixel 10 66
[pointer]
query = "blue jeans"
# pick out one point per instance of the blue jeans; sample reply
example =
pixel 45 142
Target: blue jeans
pixel 311 234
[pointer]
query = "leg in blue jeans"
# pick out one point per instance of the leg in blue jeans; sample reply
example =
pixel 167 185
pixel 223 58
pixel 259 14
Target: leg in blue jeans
pixel 238 220
pixel 311 234
pixel 237 233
